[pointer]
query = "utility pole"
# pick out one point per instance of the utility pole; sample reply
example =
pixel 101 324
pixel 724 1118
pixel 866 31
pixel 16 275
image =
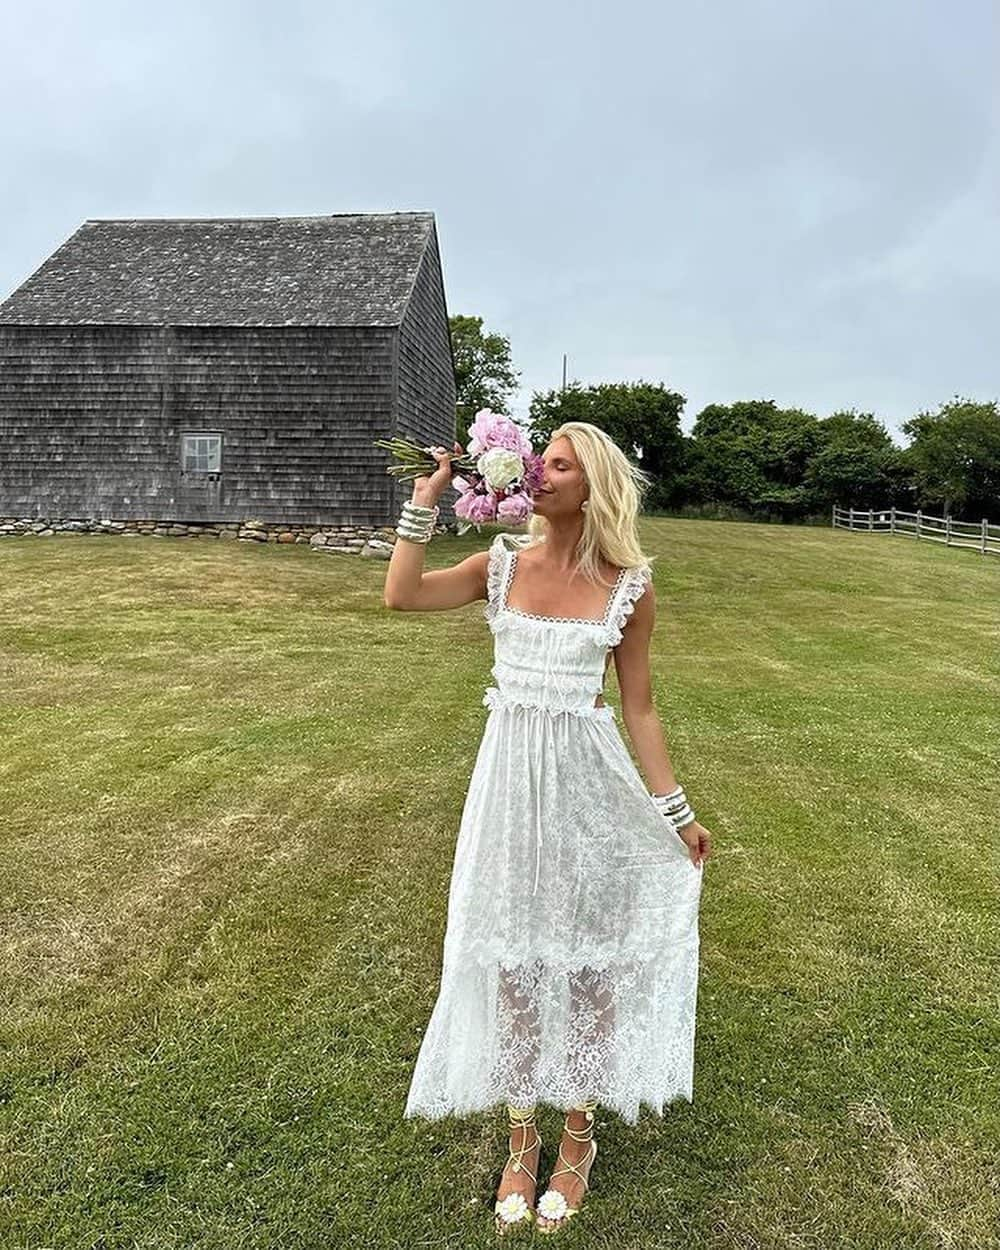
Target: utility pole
pixel 564 371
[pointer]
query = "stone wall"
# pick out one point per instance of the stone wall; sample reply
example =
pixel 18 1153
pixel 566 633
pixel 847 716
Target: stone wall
pixel 371 541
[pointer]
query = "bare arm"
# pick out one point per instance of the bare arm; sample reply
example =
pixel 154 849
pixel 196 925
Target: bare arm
pixel 407 587
pixel 638 711
pixel 641 720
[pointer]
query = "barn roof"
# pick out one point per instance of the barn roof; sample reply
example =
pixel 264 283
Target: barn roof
pixel 344 269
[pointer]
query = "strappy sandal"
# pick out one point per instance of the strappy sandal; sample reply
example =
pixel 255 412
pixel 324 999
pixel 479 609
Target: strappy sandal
pixel 552 1204
pixel 512 1214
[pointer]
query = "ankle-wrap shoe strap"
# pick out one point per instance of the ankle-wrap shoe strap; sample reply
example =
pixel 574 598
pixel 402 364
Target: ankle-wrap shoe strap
pixel 520 1115
pixel 523 1118
pixel 588 1107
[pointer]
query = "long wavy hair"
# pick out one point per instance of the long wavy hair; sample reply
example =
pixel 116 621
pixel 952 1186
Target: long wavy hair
pixel 610 522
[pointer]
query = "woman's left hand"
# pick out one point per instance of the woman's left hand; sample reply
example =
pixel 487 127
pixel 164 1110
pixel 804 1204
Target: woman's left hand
pixel 698 841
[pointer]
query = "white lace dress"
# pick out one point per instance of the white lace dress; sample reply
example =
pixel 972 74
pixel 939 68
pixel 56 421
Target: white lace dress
pixel 570 959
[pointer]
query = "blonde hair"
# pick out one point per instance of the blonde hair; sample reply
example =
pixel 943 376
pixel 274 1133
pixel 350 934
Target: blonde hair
pixel 610 521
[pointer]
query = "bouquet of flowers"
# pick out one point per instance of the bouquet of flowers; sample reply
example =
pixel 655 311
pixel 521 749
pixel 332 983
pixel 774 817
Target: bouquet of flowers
pixel 499 472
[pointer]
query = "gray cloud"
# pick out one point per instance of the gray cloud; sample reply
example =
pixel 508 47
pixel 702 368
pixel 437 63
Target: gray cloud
pixel 790 200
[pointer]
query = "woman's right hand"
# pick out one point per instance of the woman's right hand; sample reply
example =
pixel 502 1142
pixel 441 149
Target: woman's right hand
pixel 428 488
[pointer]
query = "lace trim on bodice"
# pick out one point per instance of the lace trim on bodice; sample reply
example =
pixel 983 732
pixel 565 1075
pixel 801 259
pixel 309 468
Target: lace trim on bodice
pixel 494 579
pixel 628 589
pixel 632 591
pixel 567 620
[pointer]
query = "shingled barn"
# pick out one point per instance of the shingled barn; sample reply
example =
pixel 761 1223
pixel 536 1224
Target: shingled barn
pixel 224 375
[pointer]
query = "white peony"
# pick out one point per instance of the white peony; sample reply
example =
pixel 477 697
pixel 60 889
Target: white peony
pixel 500 467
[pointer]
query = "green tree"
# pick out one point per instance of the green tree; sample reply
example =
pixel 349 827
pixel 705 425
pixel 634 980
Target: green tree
pixel 954 458
pixel 643 418
pixel 484 374
pixel 753 455
pixel 857 465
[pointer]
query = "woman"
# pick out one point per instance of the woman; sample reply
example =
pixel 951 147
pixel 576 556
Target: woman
pixel 571 952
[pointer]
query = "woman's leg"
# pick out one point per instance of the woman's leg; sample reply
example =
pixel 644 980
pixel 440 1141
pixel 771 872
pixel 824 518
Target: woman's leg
pixel 570 1178
pixel 518 1033
pixel 590 1044
pixel 518 1050
pixel 590 1053
pixel 515 1201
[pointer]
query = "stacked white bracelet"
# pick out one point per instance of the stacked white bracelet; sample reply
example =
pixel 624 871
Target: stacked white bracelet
pixel 675 807
pixel 416 523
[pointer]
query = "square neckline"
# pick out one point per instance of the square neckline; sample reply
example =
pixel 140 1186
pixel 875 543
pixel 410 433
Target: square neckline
pixel 604 620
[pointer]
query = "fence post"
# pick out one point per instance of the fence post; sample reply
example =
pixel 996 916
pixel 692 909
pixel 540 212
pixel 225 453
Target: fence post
pixel 892 519
pixel 918 523
pixel 871 520
pixel 850 520
pixel 833 517
pixel 947 529
pixel 982 539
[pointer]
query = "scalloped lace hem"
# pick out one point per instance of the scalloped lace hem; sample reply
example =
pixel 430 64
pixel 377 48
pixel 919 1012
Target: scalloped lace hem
pixel 495 1100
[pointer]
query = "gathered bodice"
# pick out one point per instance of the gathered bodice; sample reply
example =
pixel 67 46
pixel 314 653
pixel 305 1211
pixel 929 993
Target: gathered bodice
pixel 552 662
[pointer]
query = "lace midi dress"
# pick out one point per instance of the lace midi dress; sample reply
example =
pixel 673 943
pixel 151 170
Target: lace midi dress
pixel 570 959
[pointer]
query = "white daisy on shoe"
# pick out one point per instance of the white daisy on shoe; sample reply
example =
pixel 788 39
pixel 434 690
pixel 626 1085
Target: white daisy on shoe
pixel 552 1204
pixel 512 1208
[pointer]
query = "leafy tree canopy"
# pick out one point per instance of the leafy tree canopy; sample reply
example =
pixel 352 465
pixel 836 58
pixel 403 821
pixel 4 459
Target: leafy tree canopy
pixel 484 374
pixel 954 457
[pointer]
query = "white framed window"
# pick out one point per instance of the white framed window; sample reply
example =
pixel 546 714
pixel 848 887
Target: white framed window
pixel 201 453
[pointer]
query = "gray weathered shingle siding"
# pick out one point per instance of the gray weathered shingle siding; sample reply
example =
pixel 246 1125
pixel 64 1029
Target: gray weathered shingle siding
pixel 426 367
pixel 79 418
pixel 92 410
pixel 97 427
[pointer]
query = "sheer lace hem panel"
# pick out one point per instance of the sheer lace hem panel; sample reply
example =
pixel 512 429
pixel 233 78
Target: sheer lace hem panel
pixel 538 1032
pixel 634 588
pixel 668 956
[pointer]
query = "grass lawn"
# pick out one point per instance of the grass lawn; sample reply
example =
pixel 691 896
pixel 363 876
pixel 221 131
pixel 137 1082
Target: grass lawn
pixel 230 786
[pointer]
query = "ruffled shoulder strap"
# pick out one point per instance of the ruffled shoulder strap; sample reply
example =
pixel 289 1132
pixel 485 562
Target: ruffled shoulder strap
pixel 496 571
pixel 633 587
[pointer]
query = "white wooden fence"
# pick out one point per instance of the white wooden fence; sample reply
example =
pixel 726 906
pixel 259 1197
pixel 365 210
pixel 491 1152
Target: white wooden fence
pixel 980 535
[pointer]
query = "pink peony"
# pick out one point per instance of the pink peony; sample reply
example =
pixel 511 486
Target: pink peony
pixel 493 429
pixel 475 507
pixel 463 505
pixel 482 508
pixel 514 510
pixel 534 474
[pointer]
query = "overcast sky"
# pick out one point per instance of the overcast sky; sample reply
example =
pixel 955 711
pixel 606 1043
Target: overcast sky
pixel 791 200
